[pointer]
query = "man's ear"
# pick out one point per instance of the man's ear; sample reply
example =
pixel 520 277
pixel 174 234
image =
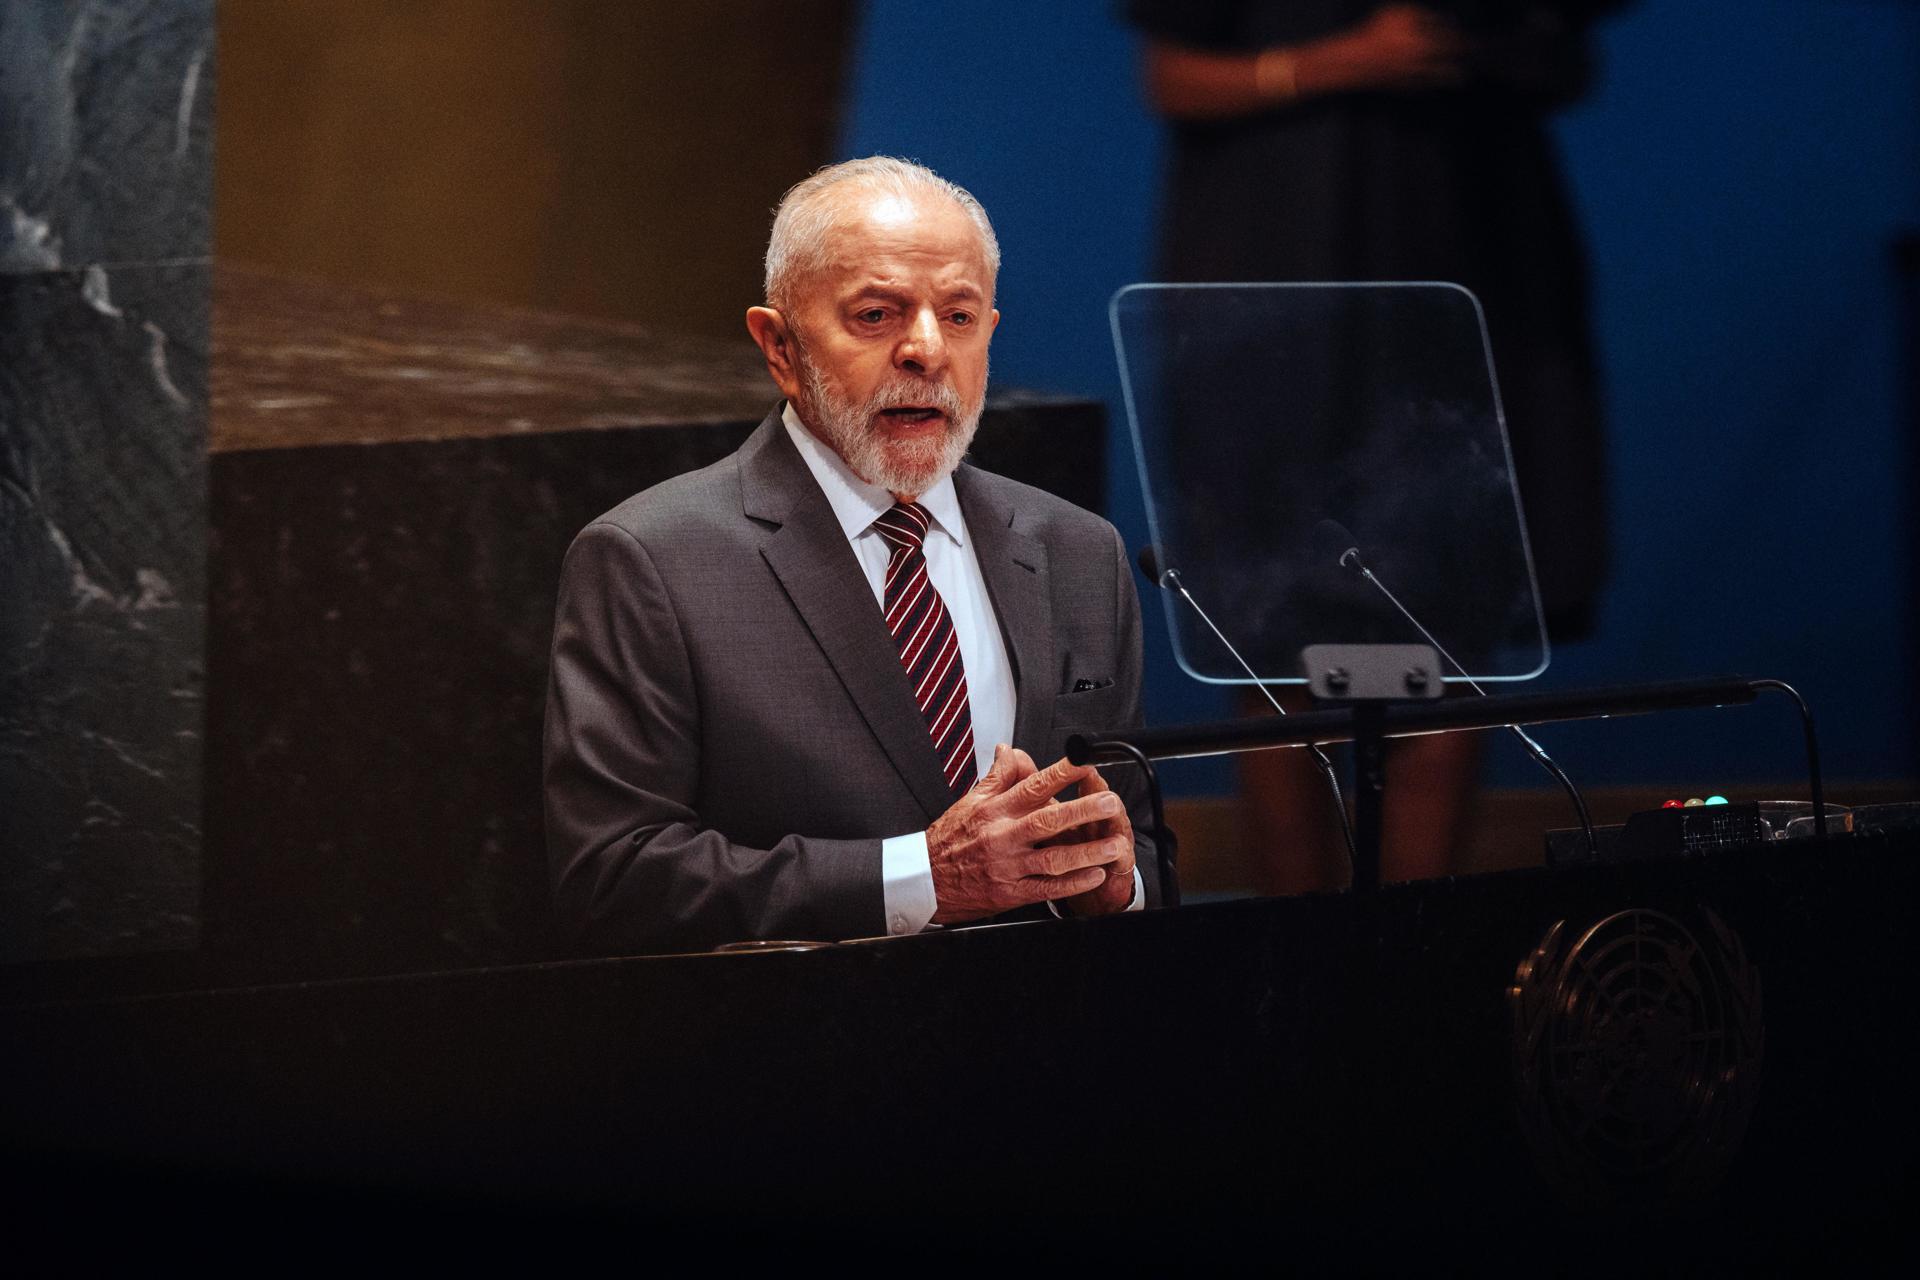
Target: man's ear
pixel 774 337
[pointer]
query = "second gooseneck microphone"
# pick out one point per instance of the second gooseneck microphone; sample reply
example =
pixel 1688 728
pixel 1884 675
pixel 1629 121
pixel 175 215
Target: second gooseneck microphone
pixel 1331 533
pixel 1167 578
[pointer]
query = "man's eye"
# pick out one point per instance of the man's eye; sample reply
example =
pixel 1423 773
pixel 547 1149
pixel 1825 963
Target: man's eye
pixel 962 317
pixel 873 315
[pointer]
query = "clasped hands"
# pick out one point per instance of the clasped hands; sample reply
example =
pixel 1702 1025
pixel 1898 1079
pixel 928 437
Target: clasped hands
pixel 1009 842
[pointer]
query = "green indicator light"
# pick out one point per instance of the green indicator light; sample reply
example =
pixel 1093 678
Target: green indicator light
pixel 1716 799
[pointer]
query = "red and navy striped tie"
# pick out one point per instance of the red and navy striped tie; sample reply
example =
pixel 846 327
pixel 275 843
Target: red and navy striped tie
pixel 929 649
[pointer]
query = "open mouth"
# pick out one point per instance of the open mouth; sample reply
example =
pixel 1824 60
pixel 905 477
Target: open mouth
pixel 910 414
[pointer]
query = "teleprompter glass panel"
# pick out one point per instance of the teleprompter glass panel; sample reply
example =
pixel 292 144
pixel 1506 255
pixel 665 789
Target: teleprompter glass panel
pixel 1277 426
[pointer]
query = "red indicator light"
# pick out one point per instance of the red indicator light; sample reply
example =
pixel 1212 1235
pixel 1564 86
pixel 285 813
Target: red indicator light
pixel 1671 804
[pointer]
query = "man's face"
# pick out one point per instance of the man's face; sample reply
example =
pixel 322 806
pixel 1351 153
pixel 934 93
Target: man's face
pixel 890 339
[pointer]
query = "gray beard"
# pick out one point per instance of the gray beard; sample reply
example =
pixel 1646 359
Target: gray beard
pixel 896 467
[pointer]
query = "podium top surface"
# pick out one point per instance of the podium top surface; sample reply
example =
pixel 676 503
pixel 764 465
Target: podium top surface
pixel 299 362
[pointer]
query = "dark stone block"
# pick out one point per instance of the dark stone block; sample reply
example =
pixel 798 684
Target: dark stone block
pixel 106 127
pixel 102 579
pixel 395 482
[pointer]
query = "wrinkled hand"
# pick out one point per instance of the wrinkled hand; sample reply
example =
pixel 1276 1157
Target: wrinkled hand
pixel 1115 893
pixel 1401 46
pixel 1008 843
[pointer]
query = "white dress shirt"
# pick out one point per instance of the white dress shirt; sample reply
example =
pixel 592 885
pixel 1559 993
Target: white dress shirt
pixel 906 875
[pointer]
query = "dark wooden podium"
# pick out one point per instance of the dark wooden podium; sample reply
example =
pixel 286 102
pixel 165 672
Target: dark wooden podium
pixel 1701 1058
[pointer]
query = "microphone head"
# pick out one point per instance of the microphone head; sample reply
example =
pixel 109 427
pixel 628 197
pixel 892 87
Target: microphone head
pixel 1332 542
pixel 1151 565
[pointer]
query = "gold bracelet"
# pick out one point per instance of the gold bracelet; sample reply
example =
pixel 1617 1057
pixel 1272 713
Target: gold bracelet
pixel 1275 75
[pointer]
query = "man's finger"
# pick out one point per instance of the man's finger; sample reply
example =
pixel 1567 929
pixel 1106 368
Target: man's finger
pixel 1003 772
pixel 1056 817
pixel 1034 791
pixel 1064 859
pixel 1067 886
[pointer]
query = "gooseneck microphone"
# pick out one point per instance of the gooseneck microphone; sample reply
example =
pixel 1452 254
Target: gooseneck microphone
pixel 1167 578
pixel 1331 533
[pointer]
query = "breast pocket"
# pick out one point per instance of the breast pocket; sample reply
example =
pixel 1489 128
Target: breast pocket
pixel 1090 711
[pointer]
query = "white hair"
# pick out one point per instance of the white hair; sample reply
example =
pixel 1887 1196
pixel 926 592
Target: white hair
pixel 798 246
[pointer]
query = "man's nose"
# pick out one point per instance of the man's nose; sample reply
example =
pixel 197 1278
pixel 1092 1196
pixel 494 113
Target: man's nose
pixel 924 348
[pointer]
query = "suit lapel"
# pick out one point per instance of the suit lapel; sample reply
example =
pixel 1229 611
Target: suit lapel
pixel 1015 568
pixel 816 567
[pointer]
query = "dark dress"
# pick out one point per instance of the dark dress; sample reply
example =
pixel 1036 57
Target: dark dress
pixel 1459 185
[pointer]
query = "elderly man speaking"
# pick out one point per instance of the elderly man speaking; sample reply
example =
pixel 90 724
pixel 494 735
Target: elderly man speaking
pixel 802 693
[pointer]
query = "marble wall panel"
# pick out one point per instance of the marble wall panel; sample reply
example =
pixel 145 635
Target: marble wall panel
pixel 102 584
pixel 106 118
pixel 105 158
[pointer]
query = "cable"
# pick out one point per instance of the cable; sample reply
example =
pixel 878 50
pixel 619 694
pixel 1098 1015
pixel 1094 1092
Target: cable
pixel 1165 847
pixel 1813 753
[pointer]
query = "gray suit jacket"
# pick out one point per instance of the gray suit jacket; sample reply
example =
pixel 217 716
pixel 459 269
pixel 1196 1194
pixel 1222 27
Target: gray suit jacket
pixel 729 733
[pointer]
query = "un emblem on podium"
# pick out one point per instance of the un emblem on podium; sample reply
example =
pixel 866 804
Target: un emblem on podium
pixel 1637 1054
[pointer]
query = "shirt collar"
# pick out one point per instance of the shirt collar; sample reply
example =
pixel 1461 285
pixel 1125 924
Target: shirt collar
pixel 857 504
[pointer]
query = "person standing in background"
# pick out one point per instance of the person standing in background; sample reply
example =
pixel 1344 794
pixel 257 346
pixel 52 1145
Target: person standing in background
pixel 1344 140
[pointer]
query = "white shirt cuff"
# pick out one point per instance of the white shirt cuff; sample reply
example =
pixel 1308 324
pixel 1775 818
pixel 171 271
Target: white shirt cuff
pixel 906 883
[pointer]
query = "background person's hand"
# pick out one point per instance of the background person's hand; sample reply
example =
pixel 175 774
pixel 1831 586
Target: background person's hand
pixel 1399 46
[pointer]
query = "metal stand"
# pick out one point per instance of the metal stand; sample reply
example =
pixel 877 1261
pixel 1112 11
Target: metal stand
pixel 1369 793
pixel 1369 677
pixel 1412 711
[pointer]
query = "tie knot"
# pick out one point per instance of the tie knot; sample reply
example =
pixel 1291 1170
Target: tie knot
pixel 904 525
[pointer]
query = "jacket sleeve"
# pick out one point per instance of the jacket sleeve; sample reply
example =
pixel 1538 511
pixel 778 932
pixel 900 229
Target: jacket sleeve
pixel 1128 780
pixel 632 866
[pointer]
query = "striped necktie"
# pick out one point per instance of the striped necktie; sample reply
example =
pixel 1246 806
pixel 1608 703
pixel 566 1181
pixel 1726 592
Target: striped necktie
pixel 929 649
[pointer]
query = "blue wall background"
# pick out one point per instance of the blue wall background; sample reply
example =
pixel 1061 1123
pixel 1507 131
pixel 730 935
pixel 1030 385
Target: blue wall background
pixel 1742 170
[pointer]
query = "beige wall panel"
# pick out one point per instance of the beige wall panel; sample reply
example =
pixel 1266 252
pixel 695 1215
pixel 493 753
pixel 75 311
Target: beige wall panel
pixel 617 158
